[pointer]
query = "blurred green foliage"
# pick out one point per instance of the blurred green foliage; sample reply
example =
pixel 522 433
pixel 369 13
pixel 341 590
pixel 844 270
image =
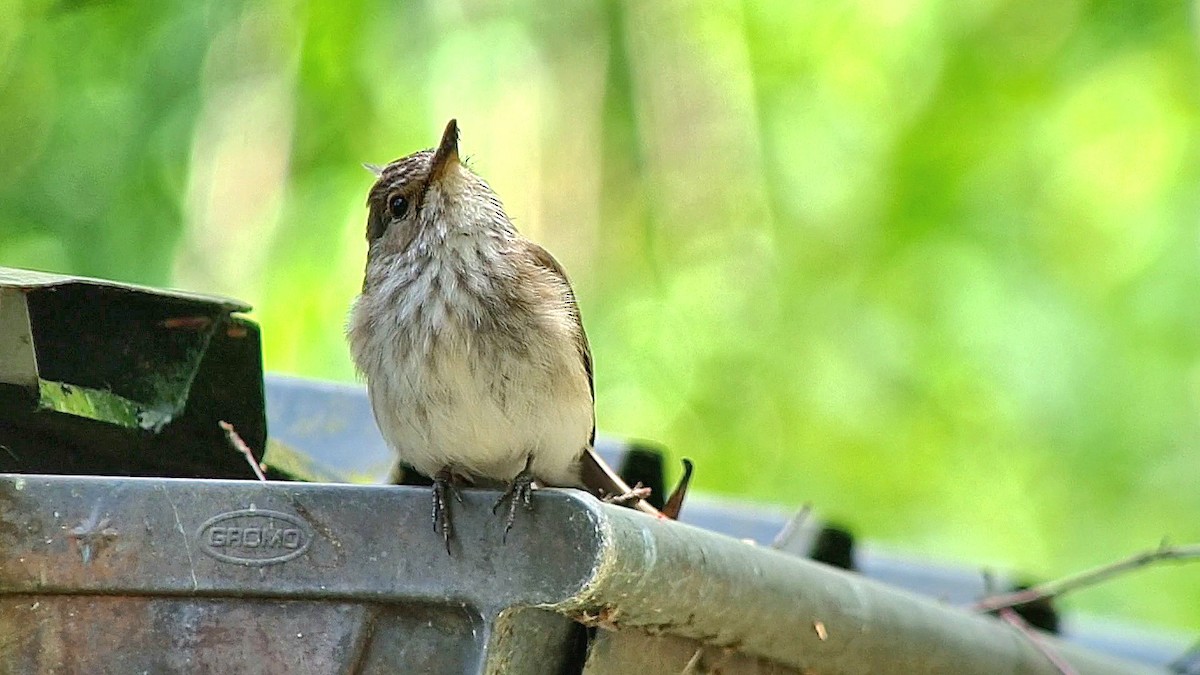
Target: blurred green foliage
pixel 931 266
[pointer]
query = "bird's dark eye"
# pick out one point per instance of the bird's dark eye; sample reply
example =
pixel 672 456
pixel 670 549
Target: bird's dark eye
pixel 398 206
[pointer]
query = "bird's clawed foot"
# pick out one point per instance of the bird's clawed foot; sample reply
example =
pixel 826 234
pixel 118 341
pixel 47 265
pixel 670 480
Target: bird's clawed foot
pixel 443 485
pixel 519 491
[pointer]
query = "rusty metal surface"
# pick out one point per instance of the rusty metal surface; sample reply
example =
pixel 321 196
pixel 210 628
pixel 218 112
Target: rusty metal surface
pixel 350 579
pixel 184 576
pixel 118 634
pixel 186 537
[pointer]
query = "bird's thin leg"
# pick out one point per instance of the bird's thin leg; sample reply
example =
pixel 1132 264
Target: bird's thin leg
pixel 443 483
pixel 519 491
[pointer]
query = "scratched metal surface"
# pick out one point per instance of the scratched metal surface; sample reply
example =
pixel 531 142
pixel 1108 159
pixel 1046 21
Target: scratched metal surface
pixel 183 576
pixel 180 576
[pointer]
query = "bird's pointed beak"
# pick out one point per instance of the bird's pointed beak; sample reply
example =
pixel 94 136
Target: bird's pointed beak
pixel 446 154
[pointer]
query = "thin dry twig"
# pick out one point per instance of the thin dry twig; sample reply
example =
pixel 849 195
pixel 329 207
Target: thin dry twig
pixel 693 665
pixel 698 664
pixel 638 491
pixel 238 444
pixel 790 527
pixel 600 478
pixel 1053 589
pixel 1013 619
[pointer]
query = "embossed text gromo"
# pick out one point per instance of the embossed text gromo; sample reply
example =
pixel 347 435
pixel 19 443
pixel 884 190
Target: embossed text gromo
pixel 254 537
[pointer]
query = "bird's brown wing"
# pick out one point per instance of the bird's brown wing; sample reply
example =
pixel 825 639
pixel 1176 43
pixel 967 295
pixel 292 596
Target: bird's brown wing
pixel 598 477
pixel 547 262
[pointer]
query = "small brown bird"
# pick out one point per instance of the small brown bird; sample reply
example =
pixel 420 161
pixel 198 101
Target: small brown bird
pixel 469 337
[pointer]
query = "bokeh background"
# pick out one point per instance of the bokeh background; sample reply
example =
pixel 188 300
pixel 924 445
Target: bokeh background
pixel 931 266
